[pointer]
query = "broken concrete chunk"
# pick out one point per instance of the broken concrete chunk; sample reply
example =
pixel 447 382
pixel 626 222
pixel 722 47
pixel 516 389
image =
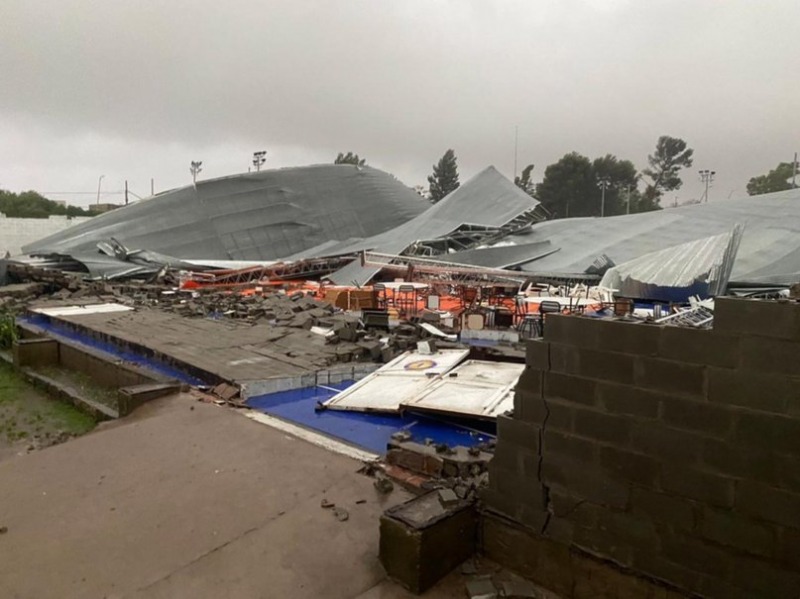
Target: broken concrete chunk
pixel 448 498
pixel 384 485
pixel 341 514
pixel 520 589
pixel 481 588
pixel 326 504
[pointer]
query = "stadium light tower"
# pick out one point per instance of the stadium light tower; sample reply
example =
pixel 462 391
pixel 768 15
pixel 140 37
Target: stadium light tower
pixel 259 158
pixel 707 177
pixel 195 169
pixel 603 183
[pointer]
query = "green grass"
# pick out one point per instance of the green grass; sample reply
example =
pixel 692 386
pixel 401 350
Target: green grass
pixel 26 412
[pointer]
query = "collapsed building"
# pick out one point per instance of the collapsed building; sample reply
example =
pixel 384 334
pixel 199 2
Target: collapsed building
pixel 574 375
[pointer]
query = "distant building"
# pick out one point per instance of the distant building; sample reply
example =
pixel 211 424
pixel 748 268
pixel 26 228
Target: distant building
pixel 101 208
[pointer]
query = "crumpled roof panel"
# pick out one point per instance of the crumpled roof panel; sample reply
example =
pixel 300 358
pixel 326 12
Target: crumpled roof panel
pixel 266 215
pixel 769 251
pixel 488 199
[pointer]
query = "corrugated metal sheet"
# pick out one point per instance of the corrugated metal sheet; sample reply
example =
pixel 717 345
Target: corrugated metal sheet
pixel 266 215
pixel 401 379
pixel 488 199
pixel 473 389
pixel 769 252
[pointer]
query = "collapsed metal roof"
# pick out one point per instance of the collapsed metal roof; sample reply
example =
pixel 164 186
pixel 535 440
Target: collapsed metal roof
pixel 264 215
pixel 487 204
pixel 769 252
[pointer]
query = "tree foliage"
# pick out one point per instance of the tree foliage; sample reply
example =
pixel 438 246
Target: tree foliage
pixel 29 204
pixel 671 155
pixel 444 179
pixel 570 186
pixel 778 179
pixel 524 181
pixel 349 158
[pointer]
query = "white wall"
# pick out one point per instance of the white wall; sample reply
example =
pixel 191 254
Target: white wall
pixel 16 232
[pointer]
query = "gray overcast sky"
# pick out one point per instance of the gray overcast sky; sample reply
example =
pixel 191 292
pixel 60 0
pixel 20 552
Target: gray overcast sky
pixel 136 89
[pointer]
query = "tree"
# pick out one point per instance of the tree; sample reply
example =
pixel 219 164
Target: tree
pixel 524 181
pixel 778 179
pixel 29 204
pixel 444 179
pixel 570 186
pixel 671 155
pixel 349 158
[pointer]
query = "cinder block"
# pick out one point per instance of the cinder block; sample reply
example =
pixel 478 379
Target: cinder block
pixel 763 354
pixel 733 459
pixel 564 359
pixel 754 390
pixel 628 466
pixel 763 318
pixel 602 427
pixel 571 330
pixel 692 553
pixel 499 503
pixel 629 337
pixel 583 480
pixel 677 512
pixel 764 579
pixel 653 564
pixel 519 461
pixel 540 559
pixel 517 433
pixel 606 366
pixel 768 503
pixel 604 545
pixel 737 531
pixel 570 387
pixel 670 376
pixel 702 486
pixel 523 491
pixel 530 381
pixel 640 533
pixel 529 407
pixel 559 415
pixel 787 549
pixel 667 444
pixel 537 354
pixel 627 400
pixel 564 444
pixel 699 346
pixel 420 545
pixel 770 432
pixel 577 511
pixel 701 416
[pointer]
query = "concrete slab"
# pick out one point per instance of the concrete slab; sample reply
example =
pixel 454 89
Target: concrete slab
pixel 185 499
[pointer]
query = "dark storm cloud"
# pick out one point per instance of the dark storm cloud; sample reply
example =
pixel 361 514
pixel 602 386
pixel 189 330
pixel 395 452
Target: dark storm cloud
pixel 397 82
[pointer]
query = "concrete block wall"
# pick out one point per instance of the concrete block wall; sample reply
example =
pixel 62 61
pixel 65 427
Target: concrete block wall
pixel 673 453
pixel 16 232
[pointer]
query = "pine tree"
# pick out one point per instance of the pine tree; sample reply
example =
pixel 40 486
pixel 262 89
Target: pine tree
pixel 444 179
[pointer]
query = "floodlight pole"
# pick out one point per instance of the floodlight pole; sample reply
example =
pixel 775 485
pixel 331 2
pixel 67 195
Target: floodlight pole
pixel 794 171
pixel 603 184
pixel 707 177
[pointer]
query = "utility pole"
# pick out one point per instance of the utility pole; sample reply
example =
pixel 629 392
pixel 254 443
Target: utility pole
pixel 99 181
pixel 628 200
pixel 152 187
pixel 603 184
pixel 126 192
pixel 259 158
pixel 707 177
pixel 516 146
pixel 195 169
pixel 794 171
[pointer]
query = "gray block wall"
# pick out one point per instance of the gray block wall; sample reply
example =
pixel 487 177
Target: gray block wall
pixel 672 452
